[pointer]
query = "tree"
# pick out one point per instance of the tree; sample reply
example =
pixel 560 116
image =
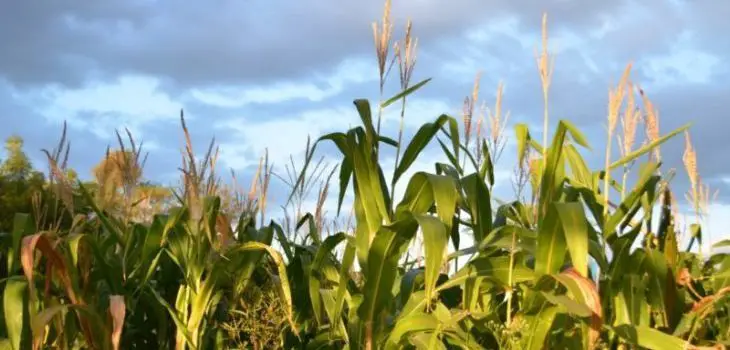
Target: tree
pixel 120 189
pixel 150 199
pixel 17 165
pixel 16 196
pixel 116 175
pixel 18 183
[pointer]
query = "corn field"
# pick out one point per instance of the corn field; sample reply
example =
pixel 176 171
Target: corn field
pixel 580 258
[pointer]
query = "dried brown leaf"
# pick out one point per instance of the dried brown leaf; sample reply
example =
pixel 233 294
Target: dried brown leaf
pixel 117 309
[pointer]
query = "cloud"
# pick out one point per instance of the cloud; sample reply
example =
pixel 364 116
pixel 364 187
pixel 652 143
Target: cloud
pixel 349 72
pixel 131 102
pixel 283 136
pixel 258 75
pixel 683 64
pixel 231 42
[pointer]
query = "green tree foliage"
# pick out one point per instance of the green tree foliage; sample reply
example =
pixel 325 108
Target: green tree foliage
pixel 17 165
pixel 18 183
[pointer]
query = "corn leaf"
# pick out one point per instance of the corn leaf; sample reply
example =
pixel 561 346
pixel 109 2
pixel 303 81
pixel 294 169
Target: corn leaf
pixel 404 93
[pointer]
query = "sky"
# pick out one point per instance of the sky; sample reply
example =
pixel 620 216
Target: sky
pixel 262 75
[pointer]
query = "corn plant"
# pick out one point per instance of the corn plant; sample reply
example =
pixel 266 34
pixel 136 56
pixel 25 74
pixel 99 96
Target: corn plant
pixel 182 277
pixel 529 268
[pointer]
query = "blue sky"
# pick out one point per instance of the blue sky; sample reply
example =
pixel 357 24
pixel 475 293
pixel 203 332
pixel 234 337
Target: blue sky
pixel 258 74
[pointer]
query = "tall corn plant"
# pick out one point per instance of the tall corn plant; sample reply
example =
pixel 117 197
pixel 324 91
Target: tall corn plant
pixel 73 288
pixel 213 268
pixel 537 256
pixel 112 283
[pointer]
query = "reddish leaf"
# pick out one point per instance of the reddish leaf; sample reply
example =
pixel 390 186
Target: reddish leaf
pixel 588 294
pixel 117 309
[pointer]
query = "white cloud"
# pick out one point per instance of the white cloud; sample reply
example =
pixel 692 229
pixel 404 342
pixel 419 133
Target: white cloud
pixel 282 135
pixel 286 135
pixel 681 65
pixel 418 112
pixel 349 72
pixel 131 101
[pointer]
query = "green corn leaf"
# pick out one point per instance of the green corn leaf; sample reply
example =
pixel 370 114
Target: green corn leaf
pixel 412 281
pixel 176 216
pixel 452 159
pixel 99 336
pixel 494 269
pixel 246 264
pixel 388 141
pixel 423 191
pixel 575 228
pixel 647 148
pixel 211 206
pixel 283 240
pixel 445 196
pixel 362 234
pixel 486 171
pixel 283 279
pixel 150 270
pixel 22 226
pixel 523 138
pixel 551 244
pixel 368 186
pixel 308 218
pixel 575 134
pixel 647 180
pixel 663 289
pixel 363 109
pixel 649 338
pixel 105 220
pixel 721 244
pixel 696 233
pixel 435 241
pixel 621 263
pixel 153 238
pixel 315 268
pixel 570 305
pixel 469 156
pixel 336 322
pixel 418 143
pixel 553 175
pixel 404 93
pixel 17 313
pixel 345 174
pixel 454 136
pixel 421 322
pixel 578 166
pixel 721 278
pixel 181 327
pixel 539 327
pixel 385 252
pixel 479 204
pixel 347 260
pixel 202 300
pixel 501 238
pixel 629 301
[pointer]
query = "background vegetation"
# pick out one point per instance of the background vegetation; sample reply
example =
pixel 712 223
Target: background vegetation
pixel 118 263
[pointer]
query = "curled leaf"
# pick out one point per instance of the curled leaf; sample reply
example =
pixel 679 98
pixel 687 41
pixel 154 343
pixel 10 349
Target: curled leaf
pixel 585 291
pixel 117 309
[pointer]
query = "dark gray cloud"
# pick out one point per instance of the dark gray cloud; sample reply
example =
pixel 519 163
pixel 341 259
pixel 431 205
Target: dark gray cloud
pixel 249 43
pixel 234 42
